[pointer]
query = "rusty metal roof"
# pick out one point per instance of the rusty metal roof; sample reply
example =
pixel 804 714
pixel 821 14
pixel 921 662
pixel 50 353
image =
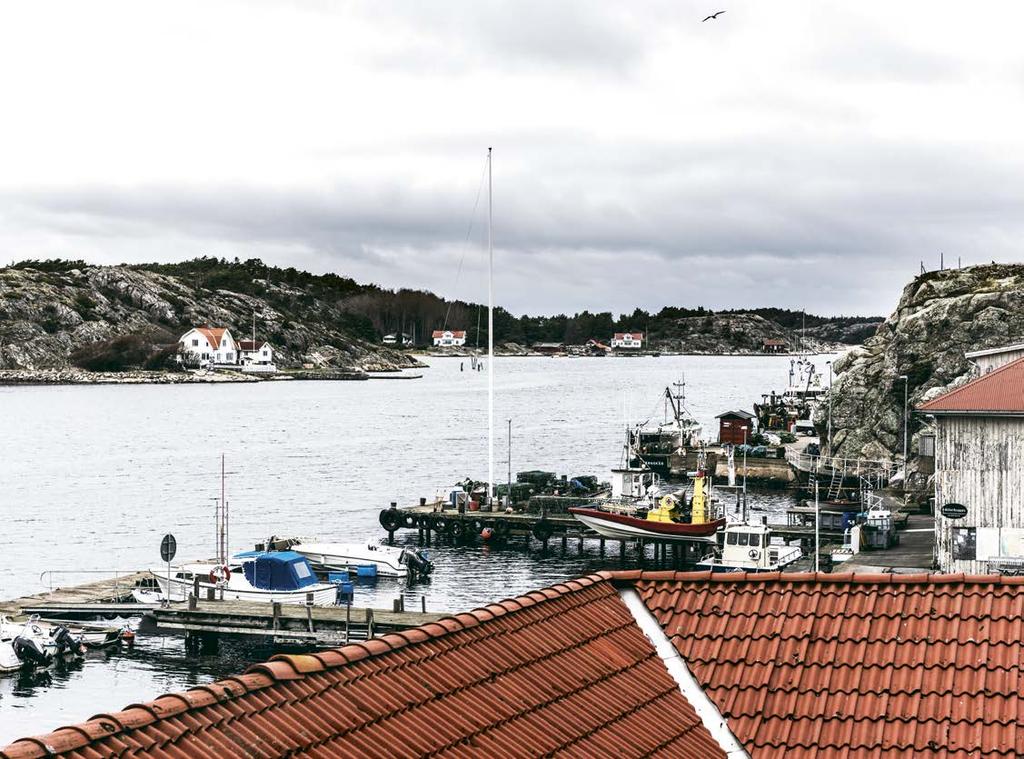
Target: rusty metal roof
pixel 1001 391
pixel 867 665
pixel 561 670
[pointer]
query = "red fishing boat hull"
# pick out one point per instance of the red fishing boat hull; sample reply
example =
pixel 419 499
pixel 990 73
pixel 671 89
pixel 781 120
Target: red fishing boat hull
pixel 623 527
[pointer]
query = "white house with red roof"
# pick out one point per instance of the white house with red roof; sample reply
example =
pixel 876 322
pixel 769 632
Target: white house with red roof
pixel 255 353
pixel 208 345
pixel 628 340
pixel 447 338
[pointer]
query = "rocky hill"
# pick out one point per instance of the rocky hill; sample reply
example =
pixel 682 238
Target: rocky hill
pixel 729 332
pixel 940 316
pixel 59 314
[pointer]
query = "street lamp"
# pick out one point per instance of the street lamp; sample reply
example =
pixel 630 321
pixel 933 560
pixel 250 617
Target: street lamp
pixel 829 408
pixel 906 394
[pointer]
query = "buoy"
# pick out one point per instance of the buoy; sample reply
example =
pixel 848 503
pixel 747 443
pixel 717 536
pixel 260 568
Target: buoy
pixel 128 636
pixel 486 533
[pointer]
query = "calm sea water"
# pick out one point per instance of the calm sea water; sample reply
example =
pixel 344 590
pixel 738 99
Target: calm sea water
pixel 93 477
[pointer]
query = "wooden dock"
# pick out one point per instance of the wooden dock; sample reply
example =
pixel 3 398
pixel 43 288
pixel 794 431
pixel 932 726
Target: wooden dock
pixel 114 588
pixel 282 622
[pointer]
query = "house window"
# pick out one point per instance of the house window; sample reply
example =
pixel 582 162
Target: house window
pixel 964 543
pixel 195 342
pixel 264 353
pixel 230 356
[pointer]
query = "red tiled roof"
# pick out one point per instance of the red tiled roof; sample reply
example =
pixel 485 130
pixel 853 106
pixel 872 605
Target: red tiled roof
pixel 251 345
pixel 852 665
pixel 212 334
pixel 454 332
pixel 634 335
pixel 799 665
pixel 564 669
pixel 1001 391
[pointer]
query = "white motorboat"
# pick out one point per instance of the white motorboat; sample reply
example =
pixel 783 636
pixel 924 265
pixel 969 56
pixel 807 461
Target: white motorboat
pixel 387 561
pixel 35 644
pixel 748 548
pixel 267 576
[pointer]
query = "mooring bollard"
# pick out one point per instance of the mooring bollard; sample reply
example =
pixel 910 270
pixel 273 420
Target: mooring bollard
pixel 195 586
pixel 192 601
pixel 211 594
pixel 423 603
pixel 276 610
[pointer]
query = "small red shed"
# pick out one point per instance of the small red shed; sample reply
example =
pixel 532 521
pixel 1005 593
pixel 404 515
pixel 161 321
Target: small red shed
pixel 731 426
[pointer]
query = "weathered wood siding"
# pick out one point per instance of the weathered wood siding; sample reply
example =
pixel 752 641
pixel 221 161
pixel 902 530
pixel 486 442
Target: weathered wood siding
pixel 979 463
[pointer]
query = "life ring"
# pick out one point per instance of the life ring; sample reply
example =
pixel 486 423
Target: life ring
pixel 478 525
pixel 754 554
pixel 668 502
pixel 410 520
pixel 458 529
pixel 220 572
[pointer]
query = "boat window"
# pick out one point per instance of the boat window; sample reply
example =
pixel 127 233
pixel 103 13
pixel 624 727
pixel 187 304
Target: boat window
pixel 302 570
pixel 744 538
pixel 755 540
pixel 731 538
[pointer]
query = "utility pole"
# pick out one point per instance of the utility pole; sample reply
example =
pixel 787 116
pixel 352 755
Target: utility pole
pixel 906 395
pixel 744 428
pixel 829 409
pixel 509 501
pixel 817 528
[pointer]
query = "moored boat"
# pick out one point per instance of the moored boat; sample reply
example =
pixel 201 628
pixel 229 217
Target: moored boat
pixel 386 561
pixel 267 576
pixel 748 548
pixel 664 519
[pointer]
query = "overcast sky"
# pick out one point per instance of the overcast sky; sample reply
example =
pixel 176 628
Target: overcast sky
pixel 806 155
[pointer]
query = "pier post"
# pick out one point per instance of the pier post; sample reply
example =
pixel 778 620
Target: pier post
pixel 622 551
pixel 565 541
pixel 601 543
pixel 369 623
pixel 579 545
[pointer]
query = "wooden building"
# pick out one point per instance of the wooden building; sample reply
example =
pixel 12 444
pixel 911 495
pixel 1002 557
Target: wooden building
pixel 772 345
pixel 979 472
pixel 733 425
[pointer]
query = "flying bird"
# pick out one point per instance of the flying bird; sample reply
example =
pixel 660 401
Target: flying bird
pixel 713 15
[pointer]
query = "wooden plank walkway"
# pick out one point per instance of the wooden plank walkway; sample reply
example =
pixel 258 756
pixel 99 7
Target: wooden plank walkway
pixel 320 624
pixel 112 589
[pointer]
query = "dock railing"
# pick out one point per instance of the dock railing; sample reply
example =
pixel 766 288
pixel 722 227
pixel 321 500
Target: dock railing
pixel 850 467
pixel 118 579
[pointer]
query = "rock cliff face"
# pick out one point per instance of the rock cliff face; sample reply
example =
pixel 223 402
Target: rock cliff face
pixel 940 316
pixel 730 333
pixel 46 316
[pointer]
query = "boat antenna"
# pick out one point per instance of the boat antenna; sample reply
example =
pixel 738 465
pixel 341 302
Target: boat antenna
pixel 490 331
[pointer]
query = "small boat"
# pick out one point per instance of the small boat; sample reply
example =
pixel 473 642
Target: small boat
pixel 665 521
pixel 268 576
pixel 748 548
pixel 385 560
pixel 34 644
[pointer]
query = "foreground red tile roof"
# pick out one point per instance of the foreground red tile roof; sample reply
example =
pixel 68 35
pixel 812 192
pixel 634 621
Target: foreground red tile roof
pixel 212 334
pixel 805 665
pixel 1001 391
pixel 799 665
pixel 452 332
pixel 562 670
pixel 251 345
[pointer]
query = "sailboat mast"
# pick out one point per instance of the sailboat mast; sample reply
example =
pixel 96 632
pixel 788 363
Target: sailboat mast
pixel 490 333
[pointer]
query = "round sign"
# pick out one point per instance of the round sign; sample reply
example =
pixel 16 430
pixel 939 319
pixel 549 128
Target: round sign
pixel 954 511
pixel 168 547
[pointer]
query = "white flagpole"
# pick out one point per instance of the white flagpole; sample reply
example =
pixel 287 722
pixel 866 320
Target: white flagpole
pixel 490 335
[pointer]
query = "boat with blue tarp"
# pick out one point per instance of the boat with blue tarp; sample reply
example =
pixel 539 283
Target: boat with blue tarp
pixel 269 576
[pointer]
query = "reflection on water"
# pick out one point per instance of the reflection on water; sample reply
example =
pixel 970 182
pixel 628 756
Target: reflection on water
pixel 94 476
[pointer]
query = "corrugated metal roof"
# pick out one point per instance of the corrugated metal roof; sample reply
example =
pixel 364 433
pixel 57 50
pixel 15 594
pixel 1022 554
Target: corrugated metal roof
pixel 562 670
pixel 807 665
pixel 1001 391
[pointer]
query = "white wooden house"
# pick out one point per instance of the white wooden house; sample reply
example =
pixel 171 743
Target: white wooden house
pixel 448 338
pixel 255 353
pixel 396 339
pixel 979 472
pixel 208 345
pixel 628 340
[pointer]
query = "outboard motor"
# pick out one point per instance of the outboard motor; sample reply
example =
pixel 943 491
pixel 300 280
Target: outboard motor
pixel 30 651
pixel 419 562
pixel 66 643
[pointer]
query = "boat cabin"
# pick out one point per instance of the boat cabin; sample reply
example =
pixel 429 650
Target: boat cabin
pixel 277 570
pixel 632 482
